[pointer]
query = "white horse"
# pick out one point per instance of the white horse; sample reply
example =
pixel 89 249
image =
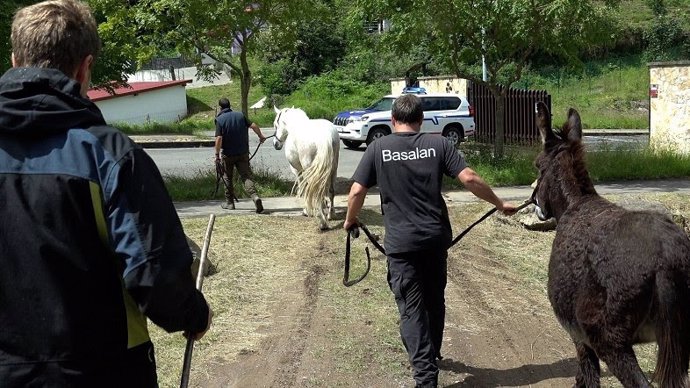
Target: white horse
pixel 312 148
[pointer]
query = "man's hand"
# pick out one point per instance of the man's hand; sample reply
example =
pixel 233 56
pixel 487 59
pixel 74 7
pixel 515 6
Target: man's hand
pixel 507 208
pixel 262 139
pixel 200 335
pixel 347 225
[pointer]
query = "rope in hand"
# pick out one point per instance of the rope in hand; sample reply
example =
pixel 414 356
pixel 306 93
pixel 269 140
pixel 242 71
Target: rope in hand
pixel 354 233
pixel 220 168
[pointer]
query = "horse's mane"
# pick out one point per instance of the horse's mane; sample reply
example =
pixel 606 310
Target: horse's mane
pixel 296 114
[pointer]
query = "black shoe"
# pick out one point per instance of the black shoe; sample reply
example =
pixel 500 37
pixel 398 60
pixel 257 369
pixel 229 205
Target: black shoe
pixel 228 205
pixel 259 205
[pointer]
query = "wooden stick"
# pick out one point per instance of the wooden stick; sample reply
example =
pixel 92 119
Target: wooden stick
pixel 187 364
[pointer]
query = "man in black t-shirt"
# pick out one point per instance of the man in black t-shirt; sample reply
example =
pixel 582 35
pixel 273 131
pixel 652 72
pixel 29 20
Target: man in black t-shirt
pixel 408 168
pixel 233 138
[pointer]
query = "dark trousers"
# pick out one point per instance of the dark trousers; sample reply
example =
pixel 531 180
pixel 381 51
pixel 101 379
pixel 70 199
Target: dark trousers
pixel 135 368
pixel 418 281
pixel 241 162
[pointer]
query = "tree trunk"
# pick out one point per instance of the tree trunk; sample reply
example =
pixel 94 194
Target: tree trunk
pixel 245 82
pixel 499 116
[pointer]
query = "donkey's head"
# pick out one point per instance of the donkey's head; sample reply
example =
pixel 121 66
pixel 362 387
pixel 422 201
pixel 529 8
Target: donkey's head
pixel 563 175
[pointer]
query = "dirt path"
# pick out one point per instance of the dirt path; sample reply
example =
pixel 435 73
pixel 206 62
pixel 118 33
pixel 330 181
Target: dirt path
pixel 498 332
pixel 285 320
pixel 501 335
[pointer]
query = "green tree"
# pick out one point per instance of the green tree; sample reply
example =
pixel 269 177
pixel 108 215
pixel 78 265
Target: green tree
pixel 116 30
pixel 505 33
pixel 318 47
pixel 226 31
pixel 662 34
pixel 7 10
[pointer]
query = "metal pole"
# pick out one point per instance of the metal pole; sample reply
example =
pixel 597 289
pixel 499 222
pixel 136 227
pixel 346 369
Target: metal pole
pixel 484 75
pixel 187 363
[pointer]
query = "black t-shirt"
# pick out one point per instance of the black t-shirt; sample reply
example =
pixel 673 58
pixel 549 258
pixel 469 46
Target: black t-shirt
pixel 233 126
pixel 408 169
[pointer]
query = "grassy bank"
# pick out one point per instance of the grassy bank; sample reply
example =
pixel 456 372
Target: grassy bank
pixel 515 168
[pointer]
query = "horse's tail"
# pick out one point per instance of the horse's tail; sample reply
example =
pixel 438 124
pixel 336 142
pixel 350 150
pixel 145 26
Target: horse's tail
pixel 315 180
pixel 672 329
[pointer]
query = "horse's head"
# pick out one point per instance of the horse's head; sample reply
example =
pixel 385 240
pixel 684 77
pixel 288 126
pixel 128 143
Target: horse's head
pixel 279 126
pixel 284 119
pixel 562 172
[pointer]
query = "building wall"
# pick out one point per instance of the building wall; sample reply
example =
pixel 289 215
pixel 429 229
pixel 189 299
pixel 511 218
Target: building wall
pixel 182 73
pixel 161 105
pixel 437 84
pixel 669 105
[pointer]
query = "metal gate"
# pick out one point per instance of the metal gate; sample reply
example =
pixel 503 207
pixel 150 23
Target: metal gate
pixel 519 116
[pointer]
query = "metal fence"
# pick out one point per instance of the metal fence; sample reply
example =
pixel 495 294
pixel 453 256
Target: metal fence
pixel 519 116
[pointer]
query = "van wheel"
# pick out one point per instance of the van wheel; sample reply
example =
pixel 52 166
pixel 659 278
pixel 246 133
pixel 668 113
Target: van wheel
pixel 352 144
pixel 375 133
pixel 454 134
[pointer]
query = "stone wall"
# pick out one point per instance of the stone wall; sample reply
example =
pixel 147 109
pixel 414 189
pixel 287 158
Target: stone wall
pixel 669 107
pixel 438 84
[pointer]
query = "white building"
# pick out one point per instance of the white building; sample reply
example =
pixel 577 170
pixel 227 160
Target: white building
pixel 143 102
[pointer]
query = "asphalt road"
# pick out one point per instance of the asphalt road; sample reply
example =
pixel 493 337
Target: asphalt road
pixel 190 161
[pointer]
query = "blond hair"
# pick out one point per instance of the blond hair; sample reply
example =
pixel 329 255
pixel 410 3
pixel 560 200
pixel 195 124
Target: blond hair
pixel 56 34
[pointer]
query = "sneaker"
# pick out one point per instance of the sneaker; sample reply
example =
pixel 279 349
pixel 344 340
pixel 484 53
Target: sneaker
pixel 259 205
pixel 228 205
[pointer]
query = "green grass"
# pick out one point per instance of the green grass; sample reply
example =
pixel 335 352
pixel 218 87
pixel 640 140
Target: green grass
pixel 202 185
pixel 608 94
pixel 515 168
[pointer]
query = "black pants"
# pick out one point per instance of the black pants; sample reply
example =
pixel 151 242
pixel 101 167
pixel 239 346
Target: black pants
pixel 133 368
pixel 418 281
pixel 241 162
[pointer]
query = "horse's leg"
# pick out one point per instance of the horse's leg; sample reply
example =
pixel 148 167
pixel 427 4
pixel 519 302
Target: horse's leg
pixel 296 185
pixel 588 372
pixel 331 198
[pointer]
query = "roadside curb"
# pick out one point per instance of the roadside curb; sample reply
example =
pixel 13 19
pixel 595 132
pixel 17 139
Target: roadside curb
pixel 176 144
pixel 150 142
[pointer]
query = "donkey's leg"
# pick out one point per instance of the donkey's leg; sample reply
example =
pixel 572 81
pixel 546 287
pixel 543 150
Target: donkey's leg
pixel 623 364
pixel 588 372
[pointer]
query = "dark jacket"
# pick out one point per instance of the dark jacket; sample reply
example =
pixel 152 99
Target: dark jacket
pixel 234 127
pixel 90 239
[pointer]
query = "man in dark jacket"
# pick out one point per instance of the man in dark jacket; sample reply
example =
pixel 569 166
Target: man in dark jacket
pixel 408 168
pixel 90 244
pixel 232 137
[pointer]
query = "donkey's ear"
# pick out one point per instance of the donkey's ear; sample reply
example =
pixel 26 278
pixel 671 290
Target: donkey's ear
pixel 544 122
pixel 574 125
pixel 276 109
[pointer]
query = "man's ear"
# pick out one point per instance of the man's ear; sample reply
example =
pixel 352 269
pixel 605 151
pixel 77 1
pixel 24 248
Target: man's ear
pixel 83 73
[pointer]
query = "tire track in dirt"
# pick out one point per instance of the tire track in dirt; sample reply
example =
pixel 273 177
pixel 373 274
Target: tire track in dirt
pixel 278 359
pixel 290 360
pixel 498 333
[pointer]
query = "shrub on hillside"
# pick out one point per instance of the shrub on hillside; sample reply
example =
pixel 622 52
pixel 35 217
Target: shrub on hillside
pixel 325 95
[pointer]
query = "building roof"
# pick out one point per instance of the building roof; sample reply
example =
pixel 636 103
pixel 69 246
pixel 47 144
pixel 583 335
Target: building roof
pixel 133 88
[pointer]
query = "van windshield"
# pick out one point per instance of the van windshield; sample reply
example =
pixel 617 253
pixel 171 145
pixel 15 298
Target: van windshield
pixel 385 103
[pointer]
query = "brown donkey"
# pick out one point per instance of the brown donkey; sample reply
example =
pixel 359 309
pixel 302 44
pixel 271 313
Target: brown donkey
pixel 616 277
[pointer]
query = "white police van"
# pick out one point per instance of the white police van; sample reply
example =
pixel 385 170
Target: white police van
pixel 446 114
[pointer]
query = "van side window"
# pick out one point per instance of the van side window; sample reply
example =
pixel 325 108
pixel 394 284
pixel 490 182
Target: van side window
pixel 450 103
pixel 431 104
